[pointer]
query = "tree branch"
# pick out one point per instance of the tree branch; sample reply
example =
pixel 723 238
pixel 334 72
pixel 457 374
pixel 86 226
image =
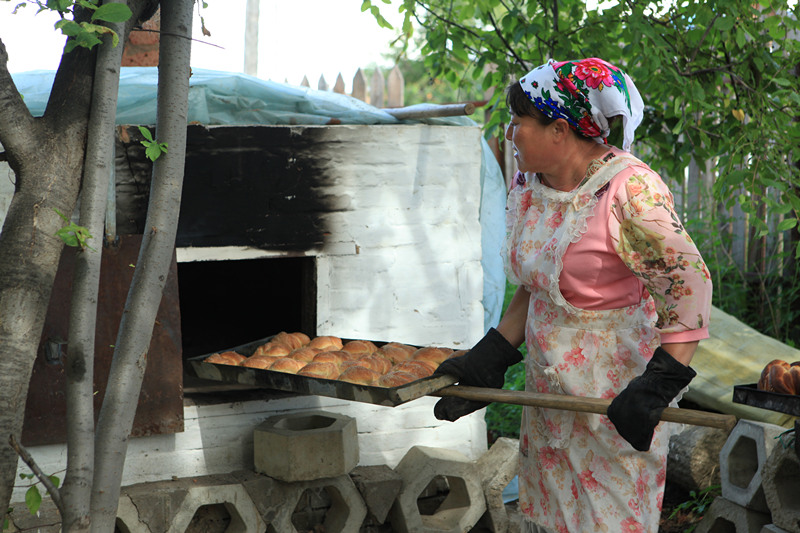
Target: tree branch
pixel 508 46
pixel 55 494
pixel 17 133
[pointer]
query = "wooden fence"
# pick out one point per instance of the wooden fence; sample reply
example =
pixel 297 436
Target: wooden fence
pixel 378 91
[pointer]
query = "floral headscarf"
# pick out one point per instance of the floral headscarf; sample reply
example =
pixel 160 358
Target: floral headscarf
pixel 586 93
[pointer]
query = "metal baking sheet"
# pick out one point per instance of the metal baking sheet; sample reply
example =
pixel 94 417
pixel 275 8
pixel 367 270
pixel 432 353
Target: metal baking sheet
pixel 774 401
pixel 387 396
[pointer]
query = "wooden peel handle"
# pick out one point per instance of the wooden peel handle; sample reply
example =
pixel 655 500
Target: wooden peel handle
pixel 581 404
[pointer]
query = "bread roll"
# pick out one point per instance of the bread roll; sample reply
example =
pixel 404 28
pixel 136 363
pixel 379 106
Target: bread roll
pixel 360 347
pixel 395 379
pixel 326 343
pixel 394 354
pixel 376 362
pixel 776 377
pixel 259 361
pixel 434 355
pixel 316 369
pixel 292 340
pixel 421 369
pixel 304 353
pixel 359 375
pixel 405 347
pixel 794 372
pixel 457 353
pixel 336 358
pixel 275 349
pixel 225 358
pixel 286 365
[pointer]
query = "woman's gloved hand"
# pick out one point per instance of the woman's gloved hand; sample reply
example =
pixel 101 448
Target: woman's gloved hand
pixel 637 410
pixel 483 366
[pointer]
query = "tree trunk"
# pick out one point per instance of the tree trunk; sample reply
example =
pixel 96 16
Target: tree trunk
pixel 155 255
pixel 77 487
pixel 46 155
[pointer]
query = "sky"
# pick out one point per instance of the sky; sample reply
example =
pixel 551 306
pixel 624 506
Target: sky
pixel 297 38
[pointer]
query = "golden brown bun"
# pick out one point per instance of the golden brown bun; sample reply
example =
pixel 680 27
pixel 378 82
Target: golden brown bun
pixel 287 365
pixel 395 379
pixel 777 377
pixel 421 369
pixel 358 347
pixel 326 343
pixel 304 353
pixel 395 354
pixel 259 361
pixel 319 370
pixel 359 375
pixel 292 340
pixel 406 347
pixel 337 357
pixel 275 349
pixel 434 355
pixel 376 362
pixel 225 358
pixel 457 353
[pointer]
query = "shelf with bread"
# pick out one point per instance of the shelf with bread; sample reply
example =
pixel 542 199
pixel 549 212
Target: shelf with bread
pixel 383 373
pixel 777 389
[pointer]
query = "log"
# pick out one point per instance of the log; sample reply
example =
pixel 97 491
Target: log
pixel 430 110
pixel 693 459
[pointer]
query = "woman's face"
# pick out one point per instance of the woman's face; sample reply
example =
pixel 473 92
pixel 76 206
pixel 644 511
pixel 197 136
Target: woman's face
pixel 532 148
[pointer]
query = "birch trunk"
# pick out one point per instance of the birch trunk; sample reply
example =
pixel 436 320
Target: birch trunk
pixel 130 355
pixel 77 487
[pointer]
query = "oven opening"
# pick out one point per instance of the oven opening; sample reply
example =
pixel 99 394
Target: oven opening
pixel 227 303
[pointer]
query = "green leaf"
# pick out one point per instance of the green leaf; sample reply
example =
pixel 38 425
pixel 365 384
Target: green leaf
pixel 153 152
pixel 55 481
pixel 112 13
pixel 787 224
pixel 68 27
pixel 146 133
pixel 33 499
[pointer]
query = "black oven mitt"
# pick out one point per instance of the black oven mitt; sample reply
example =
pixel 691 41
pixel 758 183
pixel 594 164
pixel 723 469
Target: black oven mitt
pixel 483 366
pixel 637 410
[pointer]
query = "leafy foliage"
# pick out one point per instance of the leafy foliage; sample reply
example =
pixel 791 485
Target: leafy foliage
pixel 697 504
pixel 718 78
pixel 72 234
pixel 153 149
pixel 33 497
pixel 85 34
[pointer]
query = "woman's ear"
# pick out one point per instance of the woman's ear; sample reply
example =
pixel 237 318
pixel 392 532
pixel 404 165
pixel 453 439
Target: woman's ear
pixel 560 128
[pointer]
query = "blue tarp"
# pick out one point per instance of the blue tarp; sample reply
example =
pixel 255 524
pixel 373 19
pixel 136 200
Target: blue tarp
pixel 224 98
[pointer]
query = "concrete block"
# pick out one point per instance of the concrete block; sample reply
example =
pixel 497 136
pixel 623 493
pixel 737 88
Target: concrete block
pixel 781 481
pixel 496 469
pixel 379 485
pixel 128 517
pixel 346 513
pixel 463 505
pixel 726 516
pixel 741 462
pixel 172 506
pixel 772 528
pixel 306 446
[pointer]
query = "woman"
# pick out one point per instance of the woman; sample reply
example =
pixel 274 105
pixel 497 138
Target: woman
pixel 613 298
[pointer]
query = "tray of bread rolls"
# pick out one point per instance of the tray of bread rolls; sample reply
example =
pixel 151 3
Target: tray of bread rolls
pixel 777 389
pixel 382 373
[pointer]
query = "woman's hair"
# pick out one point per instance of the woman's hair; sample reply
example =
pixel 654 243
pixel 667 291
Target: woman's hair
pixel 519 103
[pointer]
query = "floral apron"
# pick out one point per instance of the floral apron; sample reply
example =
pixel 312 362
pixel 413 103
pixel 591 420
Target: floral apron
pixel 576 473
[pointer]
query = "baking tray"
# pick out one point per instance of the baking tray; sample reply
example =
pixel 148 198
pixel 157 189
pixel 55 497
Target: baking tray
pixel 387 396
pixel 774 401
